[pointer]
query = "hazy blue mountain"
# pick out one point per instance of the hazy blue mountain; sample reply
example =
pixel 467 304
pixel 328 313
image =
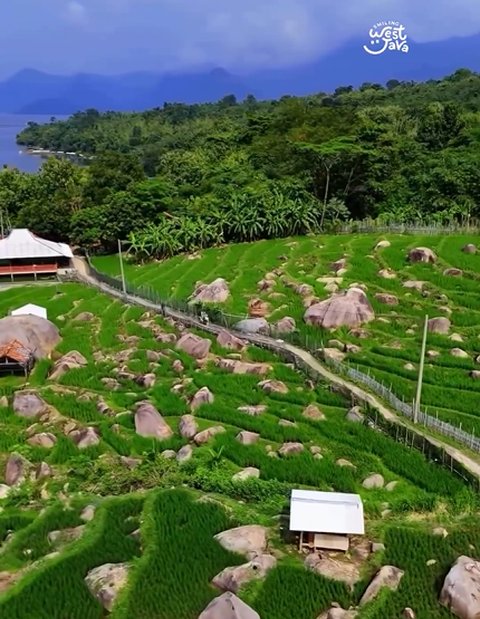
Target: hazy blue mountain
pixel 34 92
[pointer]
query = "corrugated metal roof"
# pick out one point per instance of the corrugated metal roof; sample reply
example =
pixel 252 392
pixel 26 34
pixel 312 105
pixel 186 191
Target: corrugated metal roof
pixel 15 350
pixel 30 308
pixel 326 512
pixel 21 243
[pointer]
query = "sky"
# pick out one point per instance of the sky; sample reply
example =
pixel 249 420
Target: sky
pixel 118 36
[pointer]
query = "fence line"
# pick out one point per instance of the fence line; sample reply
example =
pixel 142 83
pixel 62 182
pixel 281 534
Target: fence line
pixel 371 225
pixel 221 319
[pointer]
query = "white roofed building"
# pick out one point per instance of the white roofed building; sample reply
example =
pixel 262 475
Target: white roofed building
pixel 24 253
pixel 326 519
pixel 30 309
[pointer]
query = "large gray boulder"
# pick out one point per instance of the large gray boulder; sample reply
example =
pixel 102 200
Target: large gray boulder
pixel 106 581
pixel 250 540
pixel 253 325
pixel 387 576
pixel 232 578
pixel 188 426
pixel 286 324
pixel 422 254
pixel 227 340
pixel 215 292
pixel 228 606
pixel 28 404
pixel 203 396
pixel 149 422
pixel 68 362
pixel 47 440
pixel 194 345
pixel 460 591
pixel 36 334
pixel 16 470
pixel 439 324
pixel 87 437
pixel 350 309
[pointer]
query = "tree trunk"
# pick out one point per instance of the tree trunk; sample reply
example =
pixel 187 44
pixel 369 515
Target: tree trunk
pixel 325 197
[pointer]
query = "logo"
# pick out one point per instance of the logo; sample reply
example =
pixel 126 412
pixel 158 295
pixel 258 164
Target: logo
pixel 387 36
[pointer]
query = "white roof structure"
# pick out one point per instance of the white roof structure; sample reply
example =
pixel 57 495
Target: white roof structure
pixel 30 308
pixel 21 243
pixel 326 512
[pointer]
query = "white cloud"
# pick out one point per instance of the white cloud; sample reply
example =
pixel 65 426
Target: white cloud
pixel 76 13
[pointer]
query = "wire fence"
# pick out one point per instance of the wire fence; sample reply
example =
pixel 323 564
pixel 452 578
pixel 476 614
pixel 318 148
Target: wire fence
pixel 431 229
pixel 218 318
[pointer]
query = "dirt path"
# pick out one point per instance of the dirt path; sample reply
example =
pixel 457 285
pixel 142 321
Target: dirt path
pixel 280 347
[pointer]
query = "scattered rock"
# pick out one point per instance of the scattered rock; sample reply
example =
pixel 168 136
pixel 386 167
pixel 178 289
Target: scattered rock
pixel 378 547
pixel 28 404
pixel 390 487
pixel 355 414
pixel 373 481
pixel 430 562
pixel 4 401
pixel 43 471
pixel 414 285
pixel 228 606
pixel 253 325
pixel 388 576
pixel 248 540
pixel 409 367
pixel 459 353
pixel 386 299
pixel 247 473
pixel 215 292
pixel 232 578
pixel 288 449
pixel 453 272
pixel 227 340
pixel 313 412
pixel 475 374
pixel 470 248
pixel 4 492
pixel 70 361
pixel 247 438
pixel 169 454
pixel 188 426
pixel 265 285
pixel 87 437
pixel 350 308
pixel 455 337
pixel 242 367
pixel 432 354
pixel 110 384
pixel 253 411
pixel 65 536
pixel 130 463
pixel 184 453
pixel 273 386
pixel 106 581
pixel 88 513
pixel 16 470
pixel 440 532
pixel 194 345
pixel 177 366
pixel 332 355
pixel 206 435
pixel 285 325
pixel 286 423
pixel 315 450
pixel 345 463
pixel 46 440
pixel 422 254
pixel 387 274
pixel 339 265
pixel 150 423
pixel 408 613
pixel 203 396
pixel 84 317
pixel 460 589
pixel 382 244
pixel 257 308
pixel 329 567
pixel 439 324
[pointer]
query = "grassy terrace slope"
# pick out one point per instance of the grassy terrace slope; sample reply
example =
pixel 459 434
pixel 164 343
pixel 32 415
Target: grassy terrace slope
pixel 391 345
pixel 174 557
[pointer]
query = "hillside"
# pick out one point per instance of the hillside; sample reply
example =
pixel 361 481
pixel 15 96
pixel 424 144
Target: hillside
pixel 100 493
pixel 388 347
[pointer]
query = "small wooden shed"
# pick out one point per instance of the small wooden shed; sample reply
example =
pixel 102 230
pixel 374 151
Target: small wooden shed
pixel 324 520
pixel 16 359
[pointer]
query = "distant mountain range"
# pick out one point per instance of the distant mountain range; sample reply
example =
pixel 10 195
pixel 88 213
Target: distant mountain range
pixel 34 92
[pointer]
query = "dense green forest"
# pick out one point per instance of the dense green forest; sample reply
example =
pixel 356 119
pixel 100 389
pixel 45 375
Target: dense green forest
pixel 184 177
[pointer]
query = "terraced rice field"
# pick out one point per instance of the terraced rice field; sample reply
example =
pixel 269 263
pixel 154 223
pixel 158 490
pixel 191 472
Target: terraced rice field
pixel 394 338
pixel 165 535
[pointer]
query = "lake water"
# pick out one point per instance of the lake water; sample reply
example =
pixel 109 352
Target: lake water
pixel 10 153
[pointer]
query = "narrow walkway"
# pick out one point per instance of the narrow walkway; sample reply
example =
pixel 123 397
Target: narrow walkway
pixel 298 354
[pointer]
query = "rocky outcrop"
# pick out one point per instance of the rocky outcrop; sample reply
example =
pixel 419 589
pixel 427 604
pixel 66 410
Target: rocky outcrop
pixel 257 308
pixel 203 437
pixel 439 324
pixel 387 576
pixel 273 386
pixel 43 439
pixel 350 308
pixel 203 396
pixel 386 299
pixel 242 367
pixel 227 340
pixel 250 472
pixel 253 325
pixel 194 345
pixel 250 540
pixel 28 404
pixel 149 422
pixel 70 361
pixel 215 292
pixel 228 606
pixel 285 325
pixel 106 581
pixel 232 578
pixel 422 254
pixel 36 334
pixel 329 567
pixel 188 426
pixel 460 591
